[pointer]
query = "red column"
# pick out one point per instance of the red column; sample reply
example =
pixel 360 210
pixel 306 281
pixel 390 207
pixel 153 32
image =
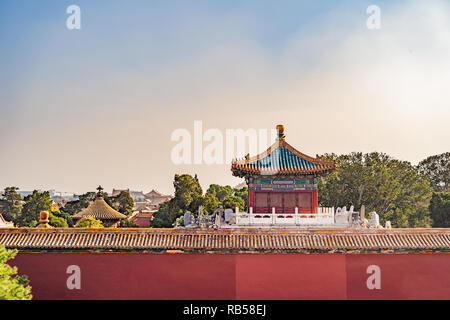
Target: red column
pixel 251 200
pixel 315 202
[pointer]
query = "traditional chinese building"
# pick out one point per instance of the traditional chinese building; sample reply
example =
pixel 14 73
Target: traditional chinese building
pixel 137 196
pixel 282 179
pixel 246 263
pixel 100 210
pixel 156 198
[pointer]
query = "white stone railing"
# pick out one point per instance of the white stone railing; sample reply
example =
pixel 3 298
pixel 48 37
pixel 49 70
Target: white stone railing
pixel 325 216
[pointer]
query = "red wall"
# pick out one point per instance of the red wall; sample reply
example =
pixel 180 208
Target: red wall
pixel 142 222
pixel 236 276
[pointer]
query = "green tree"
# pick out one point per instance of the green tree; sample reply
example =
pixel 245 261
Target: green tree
pixel 11 204
pixel 123 203
pixel 63 215
pixel 232 202
pixel 161 218
pixel 57 222
pixel 89 222
pixel 221 192
pixel 128 224
pixel 34 204
pixel 440 209
pixel 243 194
pixel 75 206
pixel 211 203
pixel 394 189
pixel 12 286
pixel 188 196
pixel 437 169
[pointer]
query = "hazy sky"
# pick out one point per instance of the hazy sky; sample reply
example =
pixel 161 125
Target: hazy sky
pixel 79 108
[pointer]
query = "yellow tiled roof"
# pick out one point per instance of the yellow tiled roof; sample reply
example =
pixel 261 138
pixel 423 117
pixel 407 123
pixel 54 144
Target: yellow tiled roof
pixel 99 209
pixel 225 239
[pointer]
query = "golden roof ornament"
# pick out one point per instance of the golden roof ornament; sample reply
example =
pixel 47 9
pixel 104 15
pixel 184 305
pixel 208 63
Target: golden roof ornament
pixel 280 129
pixel 43 220
pixel 99 192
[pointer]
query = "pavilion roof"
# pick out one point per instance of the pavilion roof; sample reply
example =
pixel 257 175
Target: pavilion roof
pixel 282 159
pixel 261 240
pixel 99 209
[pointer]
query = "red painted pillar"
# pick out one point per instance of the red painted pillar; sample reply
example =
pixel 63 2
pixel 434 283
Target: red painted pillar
pixel 251 200
pixel 315 202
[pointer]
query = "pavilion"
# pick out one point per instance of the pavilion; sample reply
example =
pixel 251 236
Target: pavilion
pixel 100 210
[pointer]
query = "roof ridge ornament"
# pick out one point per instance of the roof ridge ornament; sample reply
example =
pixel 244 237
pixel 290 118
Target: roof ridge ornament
pixel 99 192
pixel 44 220
pixel 280 129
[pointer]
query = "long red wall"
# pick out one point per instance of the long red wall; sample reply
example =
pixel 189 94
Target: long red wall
pixel 236 276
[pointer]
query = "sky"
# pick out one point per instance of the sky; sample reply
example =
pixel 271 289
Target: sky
pixel 79 108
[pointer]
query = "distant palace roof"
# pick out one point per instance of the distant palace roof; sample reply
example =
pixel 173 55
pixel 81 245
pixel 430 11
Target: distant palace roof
pixel 261 240
pixel 99 209
pixel 282 159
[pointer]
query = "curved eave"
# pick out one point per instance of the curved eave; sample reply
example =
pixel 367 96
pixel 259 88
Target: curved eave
pixel 243 172
pixel 242 168
pixel 89 215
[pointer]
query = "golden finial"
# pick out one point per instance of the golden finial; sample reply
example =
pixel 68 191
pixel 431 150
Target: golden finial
pixel 43 220
pixel 99 192
pixel 280 129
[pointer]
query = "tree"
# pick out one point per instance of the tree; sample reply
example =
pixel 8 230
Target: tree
pixel 243 194
pixel 11 204
pixel 232 202
pixel 127 224
pixel 73 207
pixel 211 203
pixel 221 192
pixel 57 222
pixel 12 286
pixel 440 209
pixel 89 222
pixel 437 169
pixel 226 196
pixel 123 203
pixel 161 218
pixel 34 204
pixel 188 196
pixel 394 189
pixel 62 215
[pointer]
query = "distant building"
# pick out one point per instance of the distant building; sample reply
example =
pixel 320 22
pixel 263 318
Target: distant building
pixel 135 195
pixel 54 195
pixel 143 218
pixel 23 194
pixel 157 197
pixel 61 195
pixel 100 210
